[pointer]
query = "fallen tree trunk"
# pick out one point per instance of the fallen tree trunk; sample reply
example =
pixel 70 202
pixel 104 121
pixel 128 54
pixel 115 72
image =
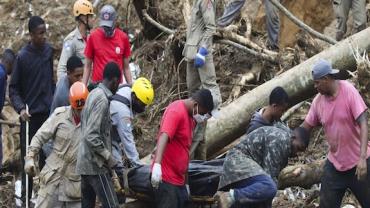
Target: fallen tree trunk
pixel 303 175
pixel 297 81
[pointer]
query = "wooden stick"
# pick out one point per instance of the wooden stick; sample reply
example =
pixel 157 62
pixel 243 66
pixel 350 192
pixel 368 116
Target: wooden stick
pixel 245 41
pixel 248 50
pixel 291 110
pixel 301 24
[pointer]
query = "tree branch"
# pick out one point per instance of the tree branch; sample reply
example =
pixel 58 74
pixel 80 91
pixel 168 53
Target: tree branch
pixel 229 37
pixel 248 50
pixel 301 24
pixel 155 23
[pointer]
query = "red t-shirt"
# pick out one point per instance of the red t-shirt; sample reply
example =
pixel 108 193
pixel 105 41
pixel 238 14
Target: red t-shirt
pixel 178 125
pixel 102 50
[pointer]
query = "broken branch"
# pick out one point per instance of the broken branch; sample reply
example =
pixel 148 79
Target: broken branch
pixel 301 24
pixel 264 54
pixel 155 23
pixel 248 50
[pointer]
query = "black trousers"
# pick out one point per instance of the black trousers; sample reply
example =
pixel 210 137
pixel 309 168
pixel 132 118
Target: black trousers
pixel 36 121
pixel 101 186
pixel 170 196
pixel 335 183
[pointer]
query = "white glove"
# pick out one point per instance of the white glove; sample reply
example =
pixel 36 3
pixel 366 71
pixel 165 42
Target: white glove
pixel 187 189
pixel 156 175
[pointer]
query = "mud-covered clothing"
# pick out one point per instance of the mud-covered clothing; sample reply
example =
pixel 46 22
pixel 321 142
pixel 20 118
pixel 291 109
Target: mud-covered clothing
pixel 58 177
pixel 263 151
pixel 73 45
pixel 338 117
pixel 334 185
pixel 95 147
pixel 199 34
pixel 341 11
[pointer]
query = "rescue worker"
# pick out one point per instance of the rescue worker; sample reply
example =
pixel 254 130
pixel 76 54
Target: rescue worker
pixel 233 8
pixel 252 167
pixel 6 65
pixel 74 74
pixel 105 44
pixel 171 159
pixel 200 69
pixel 271 114
pixel 60 186
pixel 341 11
pixel 125 104
pixel 74 43
pixel 61 95
pixel 342 112
pixel 94 158
pixel 32 84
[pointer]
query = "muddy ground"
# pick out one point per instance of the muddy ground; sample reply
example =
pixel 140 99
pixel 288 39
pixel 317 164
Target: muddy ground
pixel 161 61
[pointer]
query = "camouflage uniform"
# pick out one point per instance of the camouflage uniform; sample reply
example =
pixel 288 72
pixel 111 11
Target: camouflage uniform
pixel 59 184
pixel 73 44
pixel 263 151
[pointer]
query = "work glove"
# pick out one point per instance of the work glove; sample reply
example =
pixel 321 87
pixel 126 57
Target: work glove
pixel 111 162
pixel 187 189
pixel 200 58
pixel 29 166
pixel 156 175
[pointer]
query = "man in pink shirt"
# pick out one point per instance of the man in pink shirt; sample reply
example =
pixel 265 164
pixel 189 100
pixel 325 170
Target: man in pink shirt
pixel 341 111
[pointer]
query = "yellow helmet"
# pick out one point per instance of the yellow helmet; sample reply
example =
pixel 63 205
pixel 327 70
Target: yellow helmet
pixel 143 90
pixel 82 7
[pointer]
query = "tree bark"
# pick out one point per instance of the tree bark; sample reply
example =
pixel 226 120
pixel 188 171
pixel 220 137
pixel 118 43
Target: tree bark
pixel 298 83
pixel 150 31
pixel 303 175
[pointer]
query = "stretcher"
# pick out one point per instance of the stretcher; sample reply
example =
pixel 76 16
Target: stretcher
pixel 203 178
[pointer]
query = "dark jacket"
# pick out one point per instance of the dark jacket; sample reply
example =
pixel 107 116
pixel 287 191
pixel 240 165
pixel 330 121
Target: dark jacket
pixel 32 79
pixel 3 78
pixel 257 121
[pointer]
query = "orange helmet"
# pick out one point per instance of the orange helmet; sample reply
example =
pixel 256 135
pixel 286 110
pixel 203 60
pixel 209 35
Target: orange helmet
pixel 77 95
pixel 82 7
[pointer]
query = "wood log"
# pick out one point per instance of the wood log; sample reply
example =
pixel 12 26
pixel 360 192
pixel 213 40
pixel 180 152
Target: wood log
pixel 298 83
pixel 303 175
